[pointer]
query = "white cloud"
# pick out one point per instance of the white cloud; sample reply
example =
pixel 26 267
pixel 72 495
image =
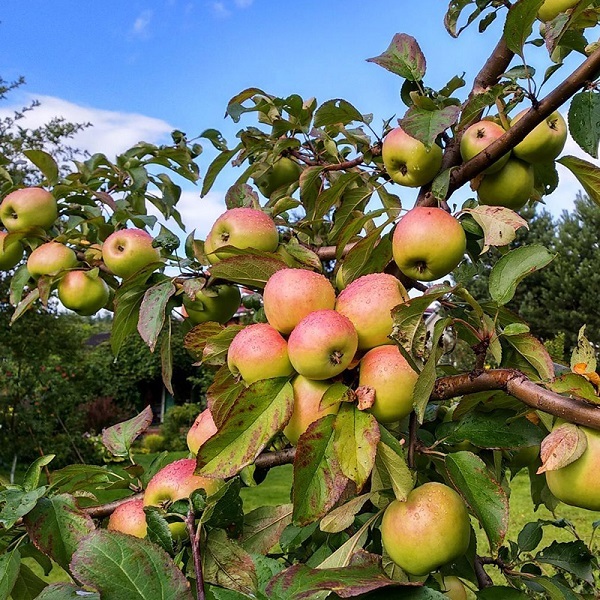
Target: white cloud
pixel 199 213
pixel 141 24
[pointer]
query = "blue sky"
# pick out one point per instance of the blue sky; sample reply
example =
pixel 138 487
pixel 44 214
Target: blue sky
pixel 139 69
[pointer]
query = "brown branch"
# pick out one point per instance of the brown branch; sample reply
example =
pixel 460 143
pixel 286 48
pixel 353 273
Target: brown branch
pixel 483 579
pixel 105 510
pixel 190 523
pixel 413 427
pixel 95 263
pixel 268 460
pixel 375 150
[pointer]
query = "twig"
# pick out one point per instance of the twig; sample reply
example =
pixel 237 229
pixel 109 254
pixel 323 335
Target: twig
pixel 268 460
pixel 105 510
pixel 483 579
pixel 342 166
pixel 190 523
pixel 412 439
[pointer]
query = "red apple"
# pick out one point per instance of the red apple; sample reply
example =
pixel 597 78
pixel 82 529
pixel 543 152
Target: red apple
pixel 127 251
pixel 50 259
pixel 292 294
pixel 203 429
pixel 510 187
pixel 477 138
pixel 129 518
pixel 83 292
pixel 545 142
pixel 10 253
pixel 28 208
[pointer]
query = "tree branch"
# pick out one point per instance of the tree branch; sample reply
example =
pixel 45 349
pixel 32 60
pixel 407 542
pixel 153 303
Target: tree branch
pixel 105 510
pixel 190 523
pixel 483 579
pixel 375 150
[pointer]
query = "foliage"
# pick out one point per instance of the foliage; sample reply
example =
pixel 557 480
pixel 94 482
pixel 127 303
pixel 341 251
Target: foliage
pixel 154 442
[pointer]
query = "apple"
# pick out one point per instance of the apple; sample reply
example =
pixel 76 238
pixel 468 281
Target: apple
pixel 550 9
pixel 10 253
pixel 578 484
pixel 428 243
pixel 83 292
pixel 259 352
pixel 292 294
pixel 129 518
pixel 454 588
pixel 430 529
pixel 368 302
pixel 510 187
pixel 203 429
pixel 283 173
pixel 408 161
pixel 50 259
pixel 127 251
pixel 477 138
pixel 323 344
pixel 177 481
pixel 28 208
pixel 386 371
pixel 215 303
pixel 544 142
pixel 308 394
pixel 241 228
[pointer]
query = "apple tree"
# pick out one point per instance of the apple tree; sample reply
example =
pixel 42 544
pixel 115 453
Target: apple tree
pixel 352 304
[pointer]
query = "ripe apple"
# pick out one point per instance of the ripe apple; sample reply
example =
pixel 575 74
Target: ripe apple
pixel 578 483
pixel 177 481
pixel 545 142
pixel 203 429
pixel 216 303
pixel 510 187
pixel 28 208
pixel 129 518
pixel 408 161
pixel 283 173
pixel 428 243
pixel 430 529
pixel 10 254
pixel 127 251
pixel 241 228
pixel 368 302
pixel 292 294
pixel 454 588
pixel 259 352
pixel 323 344
pixel 50 259
pixel 308 394
pixel 387 372
pixel 477 138
pixel 550 9
pixel 83 292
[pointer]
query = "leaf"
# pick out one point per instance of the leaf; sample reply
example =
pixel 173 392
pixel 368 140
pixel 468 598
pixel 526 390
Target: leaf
pixel 573 557
pixel 17 504
pixel 9 571
pixel 400 476
pixel 57 526
pixel 356 435
pixel 45 163
pixel 499 224
pixel 587 174
pixel 260 412
pixel 303 255
pixel 403 57
pixel 241 195
pixel 66 591
pixel 583 117
pixel 343 516
pixel 118 438
pixel 128 300
pixel 263 527
pixel 583 358
pixel 482 493
pixel 224 508
pixel 25 304
pixel 158 531
pixel 513 267
pixel 217 346
pixel 124 567
pixel 535 354
pixel 370 255
pixel 426 125
pixel 152 312
pixel 497 592
pixel 215 167
pixel 573 384
pixel 166 359
pixel 562 446
pixel 28 585
pixel 249 270
pixel 453 13
pixel 318 477
pixel 196 339
pixel 32 476
pixel 519 23
pixel 222 394
pixel 336 111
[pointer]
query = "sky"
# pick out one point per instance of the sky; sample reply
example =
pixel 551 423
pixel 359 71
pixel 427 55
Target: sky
pixel 138 70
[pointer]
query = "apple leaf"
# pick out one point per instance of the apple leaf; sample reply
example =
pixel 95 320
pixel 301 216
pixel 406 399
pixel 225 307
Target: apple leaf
pixel 343 516
pixel 250 270
pixel 337 392
pixel 499 224
pixel 259 412
pixel 573 384
pixel 120 565
pixel 403 57
pixel 215 167
pixel 583 358
pixel 302 255
pixel 25 304
pixel 483 494
pixel 519 24
pixel 28 585
pixel 318 477
pixel 9 571
pixel 345 214
pixel 535 353
pixel 573 557
pixel 336 111
pixel 166 359
pixel 330 197
pixel 587 174
pixel 564 445
pixel 217 346
pixel 501 592
pixel 425 125
pixel 241 195
pixel 453 13
pixel 118 438
pixel 128 300
pixel 222 394
pixel 263 527
pixel 66 591
pixel 152 312
pixel 45 163
pixel 18 282
pixel 393 471
pixel 584 114
pixel 196 339
pixel 17 504
pixel 513 267
pixel 476 104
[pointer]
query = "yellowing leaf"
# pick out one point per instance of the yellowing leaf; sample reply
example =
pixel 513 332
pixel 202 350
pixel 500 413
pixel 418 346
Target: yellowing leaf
pixel 563 446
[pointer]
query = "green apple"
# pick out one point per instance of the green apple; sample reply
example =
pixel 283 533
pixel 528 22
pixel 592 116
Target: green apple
pixel 241 228
pixel 177 481
pixel 550 9
pixel 127 251
pixel 259 352
pixel 510 187
pixel 10 252
pixel 368 303
pixel 203 429
pixel 428 243
pixel 578 484
pixel 83 292
pixel 129 518
pixel 544 142
pixel 322 345
pixel 215 303
pixel 50 259
pixel 283 173
pixel 292 294
pixel 408 161
pixel 386 371
pixel 28 208
pixel 308 394
pixel 477 138
pixel 430 529
pixel 454 588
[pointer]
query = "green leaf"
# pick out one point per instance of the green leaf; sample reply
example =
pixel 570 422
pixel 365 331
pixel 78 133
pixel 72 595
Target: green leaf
pixel 497 592
pixel 584 119
pixel 18 282
pixel 583 357
pixel 453 13
pixel 127 308
pixel 196 339
pixel 57 526
pixel 403 57
pixel 426 125
pixel 152 312
pixel 28 585
pixel 9 571
pixel 217 346
pixel 318 477
pixel 499 224
pixel 587 174
pixel 513 267
pixel 17 504
pixel 519 23
pixel 215 137
pixel 572 384
pixel 166 359
pixel 45 163
pixel 241 195
pixel 400 476
pixel 260 412
pixel 483 494
pixel 222 394
pixel 535 353
pixel 119 437
pixel 224 508
pixel 303 256
pixel 123 567
pixel 336 111
pixel 250 270
pixel 32 477
pixel 263 527
pixel 573 557
pixel 66 591
pixel 215 167
pixel 158 531
pixel 343 516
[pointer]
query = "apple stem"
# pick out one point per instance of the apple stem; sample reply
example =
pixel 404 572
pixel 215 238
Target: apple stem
pixel 336 357
pixel 190 522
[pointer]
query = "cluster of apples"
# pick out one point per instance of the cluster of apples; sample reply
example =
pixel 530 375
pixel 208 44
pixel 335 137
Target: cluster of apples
pixel 29 213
